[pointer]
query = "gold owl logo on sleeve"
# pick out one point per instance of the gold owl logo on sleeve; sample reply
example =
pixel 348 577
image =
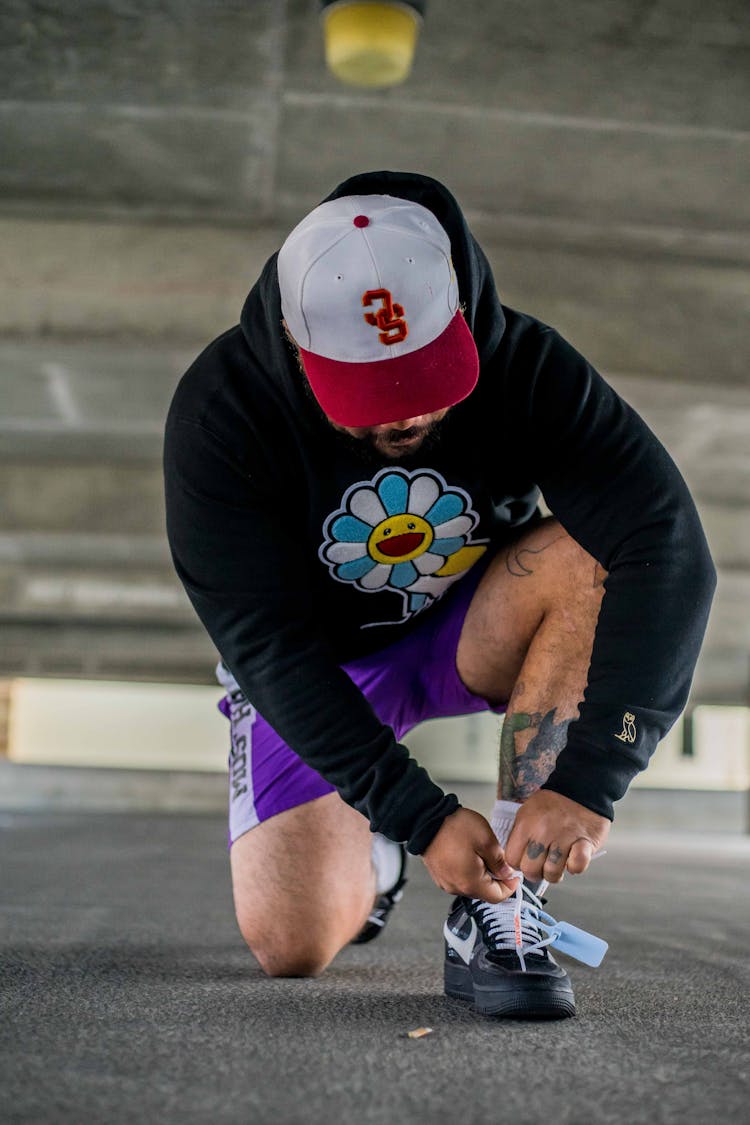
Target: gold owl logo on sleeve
pixel 628 733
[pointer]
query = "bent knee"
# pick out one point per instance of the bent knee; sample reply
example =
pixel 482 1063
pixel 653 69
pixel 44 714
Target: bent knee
pixel 576 561
pixel 574 581
pixel 284 955
pixel 292 963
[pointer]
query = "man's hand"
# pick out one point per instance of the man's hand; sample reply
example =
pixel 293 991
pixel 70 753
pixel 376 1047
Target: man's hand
pixel 551 834
pixel 465 855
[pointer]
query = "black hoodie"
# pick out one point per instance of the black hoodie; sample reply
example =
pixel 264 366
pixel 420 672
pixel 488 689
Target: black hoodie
pixel 258 483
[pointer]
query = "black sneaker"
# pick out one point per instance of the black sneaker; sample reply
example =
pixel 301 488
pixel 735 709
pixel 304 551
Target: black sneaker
pixel 496 956
pixel 383 906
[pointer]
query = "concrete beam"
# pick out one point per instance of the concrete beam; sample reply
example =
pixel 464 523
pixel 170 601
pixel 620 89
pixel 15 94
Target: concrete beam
pixel 670 314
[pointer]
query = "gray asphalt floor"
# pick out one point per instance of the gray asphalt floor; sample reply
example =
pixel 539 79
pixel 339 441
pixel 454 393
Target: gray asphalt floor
pixel 128 995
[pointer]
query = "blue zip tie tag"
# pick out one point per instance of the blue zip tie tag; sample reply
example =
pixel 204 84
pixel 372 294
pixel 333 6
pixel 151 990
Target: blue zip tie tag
pixel 577 943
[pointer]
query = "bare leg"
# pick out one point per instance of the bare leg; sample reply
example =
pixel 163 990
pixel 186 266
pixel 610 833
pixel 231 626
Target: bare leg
pixel 527 639
pixel 303 880
pixel 303 885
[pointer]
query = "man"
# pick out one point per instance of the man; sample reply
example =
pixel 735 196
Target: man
pixel 352 478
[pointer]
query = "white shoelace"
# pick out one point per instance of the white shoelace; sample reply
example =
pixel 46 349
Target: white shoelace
pixel 512 924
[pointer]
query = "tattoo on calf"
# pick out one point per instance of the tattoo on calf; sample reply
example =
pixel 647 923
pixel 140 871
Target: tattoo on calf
pixel 522 773
pixel 513 722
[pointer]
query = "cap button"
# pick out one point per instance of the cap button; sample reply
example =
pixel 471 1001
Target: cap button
pixel 361 221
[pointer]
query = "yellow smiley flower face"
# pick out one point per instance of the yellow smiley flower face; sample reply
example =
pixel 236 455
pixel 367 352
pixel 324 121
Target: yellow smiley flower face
pixel 405 531
pixel 400 538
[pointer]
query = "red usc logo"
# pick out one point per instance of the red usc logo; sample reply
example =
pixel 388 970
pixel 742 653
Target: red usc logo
pixel 389 318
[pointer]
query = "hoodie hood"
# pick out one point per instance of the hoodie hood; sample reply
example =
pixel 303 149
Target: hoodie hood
pixel 261 315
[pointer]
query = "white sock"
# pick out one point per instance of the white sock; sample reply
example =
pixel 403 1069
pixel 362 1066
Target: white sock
pixel 386 859
pixel 502 819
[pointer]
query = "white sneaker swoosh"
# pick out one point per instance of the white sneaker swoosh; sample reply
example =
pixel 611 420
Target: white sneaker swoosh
pixel 462 946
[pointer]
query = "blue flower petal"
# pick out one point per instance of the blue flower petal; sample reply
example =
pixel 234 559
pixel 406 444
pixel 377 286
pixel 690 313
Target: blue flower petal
pixel 356 568
pixel 447 546
pixel 348 529
pixel 447 506
pixel 393 490
pixel 416 601
pixel 403 574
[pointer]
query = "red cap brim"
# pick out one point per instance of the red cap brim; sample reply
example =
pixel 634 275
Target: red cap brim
pixel 393 390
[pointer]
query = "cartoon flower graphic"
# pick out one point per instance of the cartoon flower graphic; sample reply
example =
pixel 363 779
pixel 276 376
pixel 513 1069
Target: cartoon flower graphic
pixel 406 531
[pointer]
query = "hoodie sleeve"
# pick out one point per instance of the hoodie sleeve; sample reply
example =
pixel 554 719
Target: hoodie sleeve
pixel 617 492
pixel 245 576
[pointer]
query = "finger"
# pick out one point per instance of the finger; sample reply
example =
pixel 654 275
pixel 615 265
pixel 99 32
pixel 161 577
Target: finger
pixel 481 883
pixel 490 890
pixel 515 847
pixel 494 860
pixel 491 853
pixel 580 856
pixel 533 860
pixel 554 864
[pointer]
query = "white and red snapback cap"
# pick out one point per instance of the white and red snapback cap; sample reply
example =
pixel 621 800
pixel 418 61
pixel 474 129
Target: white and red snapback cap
pixel 370 297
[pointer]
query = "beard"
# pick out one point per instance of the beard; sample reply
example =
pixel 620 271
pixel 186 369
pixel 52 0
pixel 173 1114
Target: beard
pixel 393 447
pixel 381 449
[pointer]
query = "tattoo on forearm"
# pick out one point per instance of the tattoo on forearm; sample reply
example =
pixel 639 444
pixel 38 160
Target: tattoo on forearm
pixel 521 774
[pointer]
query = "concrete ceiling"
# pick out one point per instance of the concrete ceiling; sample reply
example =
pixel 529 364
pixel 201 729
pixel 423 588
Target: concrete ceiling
pixel 153 156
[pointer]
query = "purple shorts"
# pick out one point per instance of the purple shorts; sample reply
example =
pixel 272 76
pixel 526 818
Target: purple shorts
pixel 411 680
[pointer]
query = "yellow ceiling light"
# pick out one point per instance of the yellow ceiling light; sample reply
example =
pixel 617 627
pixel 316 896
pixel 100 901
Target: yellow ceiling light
pixel 371 42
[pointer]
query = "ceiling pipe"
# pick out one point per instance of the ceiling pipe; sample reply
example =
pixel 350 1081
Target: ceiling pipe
pixel 371 42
